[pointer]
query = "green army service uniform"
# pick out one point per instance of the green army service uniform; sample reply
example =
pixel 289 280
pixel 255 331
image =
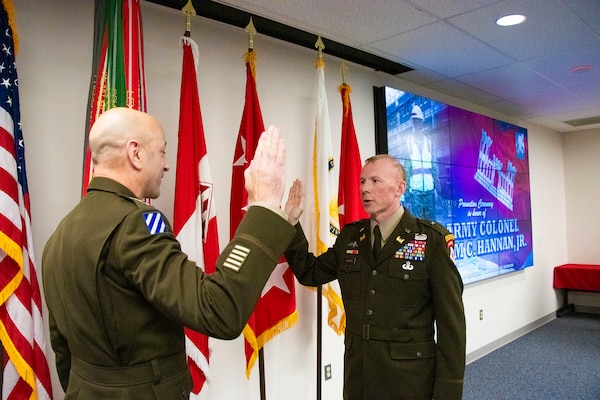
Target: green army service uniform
pixel 391 304
pixel 120 291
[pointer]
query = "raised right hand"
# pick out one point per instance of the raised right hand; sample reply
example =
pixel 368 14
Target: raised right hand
pixel 265 177
pixel 294 207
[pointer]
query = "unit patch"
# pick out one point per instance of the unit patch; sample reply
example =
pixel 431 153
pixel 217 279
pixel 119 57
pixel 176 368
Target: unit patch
pixel 155 222
pixel 237 257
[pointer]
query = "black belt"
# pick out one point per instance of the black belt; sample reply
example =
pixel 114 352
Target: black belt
pixel 371 332
pixel 151 372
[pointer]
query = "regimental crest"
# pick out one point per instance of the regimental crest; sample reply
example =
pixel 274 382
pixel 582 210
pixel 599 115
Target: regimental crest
pixel 154 222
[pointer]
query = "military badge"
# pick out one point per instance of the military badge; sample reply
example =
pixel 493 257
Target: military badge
pixel 407 266
pixel 414 250
pixel 155 222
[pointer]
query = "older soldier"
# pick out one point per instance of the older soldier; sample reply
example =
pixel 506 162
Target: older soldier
pixel 398 283
pixel 118 287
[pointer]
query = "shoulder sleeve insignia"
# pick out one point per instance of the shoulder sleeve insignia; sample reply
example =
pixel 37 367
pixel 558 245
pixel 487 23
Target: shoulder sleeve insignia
pixel 450 245
pixel 155 222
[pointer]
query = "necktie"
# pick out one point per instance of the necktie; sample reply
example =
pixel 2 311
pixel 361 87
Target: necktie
pixel 376 242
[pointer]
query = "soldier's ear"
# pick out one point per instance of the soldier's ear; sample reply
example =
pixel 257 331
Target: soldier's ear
pixel 134 154
pixel 401 188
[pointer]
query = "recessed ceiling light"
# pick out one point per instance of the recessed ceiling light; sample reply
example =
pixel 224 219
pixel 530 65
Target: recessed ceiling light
pixel 510 20
pixel 581 68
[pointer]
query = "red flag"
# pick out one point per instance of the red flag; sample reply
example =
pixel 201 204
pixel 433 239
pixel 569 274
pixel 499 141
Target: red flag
pixel 26 374
pixel 194 216
pixel 117 68
pixel 276 309
pixel 349 204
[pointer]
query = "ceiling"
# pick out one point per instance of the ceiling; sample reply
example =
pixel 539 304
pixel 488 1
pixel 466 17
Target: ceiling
pixel 455 47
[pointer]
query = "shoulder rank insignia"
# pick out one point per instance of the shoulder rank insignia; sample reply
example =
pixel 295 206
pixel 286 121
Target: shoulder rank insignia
pixel 155 223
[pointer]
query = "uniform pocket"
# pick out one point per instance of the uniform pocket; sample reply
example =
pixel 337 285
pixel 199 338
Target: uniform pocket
pixel 349 278
pixel 409 281
pixel 412 351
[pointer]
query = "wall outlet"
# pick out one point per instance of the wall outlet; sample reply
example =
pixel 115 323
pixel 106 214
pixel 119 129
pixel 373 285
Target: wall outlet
pixel 480 315
pixel 328 372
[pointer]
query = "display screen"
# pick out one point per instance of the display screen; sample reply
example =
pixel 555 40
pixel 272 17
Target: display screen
pixel 466 171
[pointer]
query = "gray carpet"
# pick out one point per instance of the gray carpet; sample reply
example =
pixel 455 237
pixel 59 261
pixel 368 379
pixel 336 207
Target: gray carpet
pixel 560 360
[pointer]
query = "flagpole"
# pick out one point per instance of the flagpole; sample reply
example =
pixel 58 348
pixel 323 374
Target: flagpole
pixel 251 31
pixel 320 46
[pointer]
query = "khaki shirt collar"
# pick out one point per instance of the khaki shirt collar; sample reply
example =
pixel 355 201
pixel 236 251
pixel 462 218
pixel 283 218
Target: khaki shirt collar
pixel 387 226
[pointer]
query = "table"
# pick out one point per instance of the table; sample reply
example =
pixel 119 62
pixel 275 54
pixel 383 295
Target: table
pixel 580 277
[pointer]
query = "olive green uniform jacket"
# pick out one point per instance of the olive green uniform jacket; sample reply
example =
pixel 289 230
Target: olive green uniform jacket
pixel 120 291
pixel 391 305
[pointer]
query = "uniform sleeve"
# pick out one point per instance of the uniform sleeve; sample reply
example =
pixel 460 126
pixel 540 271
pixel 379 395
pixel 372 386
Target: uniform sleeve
pixel 447 287
pixel 61 351
pixel 218 304
pixel 309 269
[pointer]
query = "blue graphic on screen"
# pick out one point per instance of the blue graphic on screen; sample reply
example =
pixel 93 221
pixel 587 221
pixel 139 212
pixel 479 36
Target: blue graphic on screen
pixel 468 172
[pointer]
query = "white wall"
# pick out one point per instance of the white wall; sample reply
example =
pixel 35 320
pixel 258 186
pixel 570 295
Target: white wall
pixel 54 64
pixel 582 169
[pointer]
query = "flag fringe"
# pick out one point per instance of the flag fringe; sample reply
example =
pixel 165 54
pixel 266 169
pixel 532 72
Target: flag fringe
pixel 258 343
pixel 10 11
pixel 23 368
pixel 250 59
pixel 15 253
pixel 195 50
pixel 197 357
pixel 335 305
pixel 346 97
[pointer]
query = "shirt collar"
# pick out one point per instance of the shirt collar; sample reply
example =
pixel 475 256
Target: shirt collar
pixel 388 226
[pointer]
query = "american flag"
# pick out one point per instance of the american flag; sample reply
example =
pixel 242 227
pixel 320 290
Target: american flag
pixel 26 374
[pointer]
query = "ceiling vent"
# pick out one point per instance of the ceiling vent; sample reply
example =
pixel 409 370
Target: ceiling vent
pixel 584 121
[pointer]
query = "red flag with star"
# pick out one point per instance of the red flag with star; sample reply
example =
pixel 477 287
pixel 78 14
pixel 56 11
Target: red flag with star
pixel 276 309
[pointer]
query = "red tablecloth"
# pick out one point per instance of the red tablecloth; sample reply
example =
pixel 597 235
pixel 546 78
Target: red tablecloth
pixel 577 277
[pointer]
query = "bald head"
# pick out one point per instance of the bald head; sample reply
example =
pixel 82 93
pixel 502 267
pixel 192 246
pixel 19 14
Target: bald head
pixel 113 129
pixel 129 147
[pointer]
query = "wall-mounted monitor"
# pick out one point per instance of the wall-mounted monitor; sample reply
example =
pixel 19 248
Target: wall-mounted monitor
pixel 466 171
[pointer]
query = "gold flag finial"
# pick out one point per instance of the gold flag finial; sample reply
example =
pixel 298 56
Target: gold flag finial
pixel 320 46
pixel 251 30
pixel 189 12
pixel 343 70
